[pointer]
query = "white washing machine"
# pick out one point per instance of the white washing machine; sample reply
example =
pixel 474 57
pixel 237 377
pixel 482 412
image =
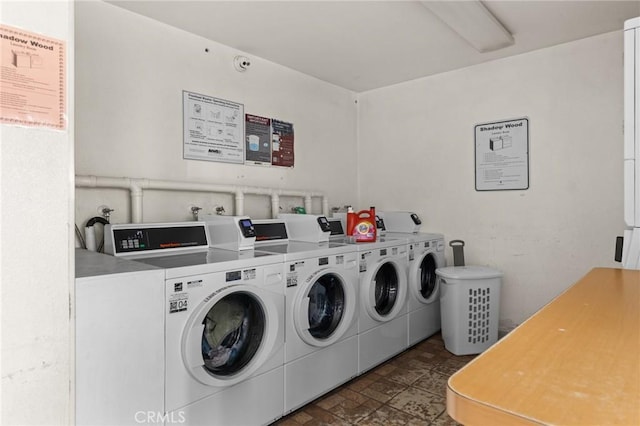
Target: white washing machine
pixel 119 341
pixel 426 254
pixel 321 347
pixel 224 314
pixel 382 320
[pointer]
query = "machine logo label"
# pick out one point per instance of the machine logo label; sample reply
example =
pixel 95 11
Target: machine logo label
pixel 249 274
pixel 177 287
pixel 195 283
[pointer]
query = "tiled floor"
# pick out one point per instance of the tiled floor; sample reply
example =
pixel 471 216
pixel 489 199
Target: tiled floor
pixel 409 389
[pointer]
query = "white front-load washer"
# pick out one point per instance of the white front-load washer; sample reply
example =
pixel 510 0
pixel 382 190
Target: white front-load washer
pixel 382 318
pixel 382 322
pixel 426 254
pixel 119 341
pixel 224 318
pixel 321 346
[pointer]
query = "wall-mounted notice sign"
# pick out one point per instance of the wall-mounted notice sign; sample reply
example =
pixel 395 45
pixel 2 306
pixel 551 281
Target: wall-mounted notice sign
pixel 282 143
pixel 213 128
pixel 32 79
pixel 258 140
pixel 502 155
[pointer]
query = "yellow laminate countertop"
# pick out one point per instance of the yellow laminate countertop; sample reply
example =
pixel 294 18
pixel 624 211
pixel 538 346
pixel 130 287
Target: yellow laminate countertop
pixel 575 362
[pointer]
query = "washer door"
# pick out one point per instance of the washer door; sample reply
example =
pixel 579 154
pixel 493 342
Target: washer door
pixel 424 285
pixel 230 335
pixel 324 307
pixel 385 291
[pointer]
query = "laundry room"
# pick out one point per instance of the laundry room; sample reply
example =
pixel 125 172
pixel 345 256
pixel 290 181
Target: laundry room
pixel 407 145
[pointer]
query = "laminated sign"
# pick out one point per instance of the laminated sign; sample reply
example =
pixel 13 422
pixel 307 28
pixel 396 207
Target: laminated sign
pixel 32 79
pixel 502 155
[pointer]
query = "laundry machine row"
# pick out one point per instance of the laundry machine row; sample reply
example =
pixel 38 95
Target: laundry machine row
pixel 253 318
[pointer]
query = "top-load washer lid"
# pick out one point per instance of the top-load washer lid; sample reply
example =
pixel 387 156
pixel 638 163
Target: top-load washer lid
pixel 468 272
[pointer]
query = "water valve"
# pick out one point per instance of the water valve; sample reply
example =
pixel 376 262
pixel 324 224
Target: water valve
pixel 194 212
pixel 105 211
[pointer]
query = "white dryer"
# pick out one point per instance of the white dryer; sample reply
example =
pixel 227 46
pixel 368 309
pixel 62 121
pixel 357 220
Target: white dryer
pixel 224 314
pixel 426 254
pixel 321 347
pixel 119 341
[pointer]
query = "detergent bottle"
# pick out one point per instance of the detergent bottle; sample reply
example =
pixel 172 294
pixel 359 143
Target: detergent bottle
pixel 362 225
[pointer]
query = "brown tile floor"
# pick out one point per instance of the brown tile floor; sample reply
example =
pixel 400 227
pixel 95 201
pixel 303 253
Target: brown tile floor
pixel 409 389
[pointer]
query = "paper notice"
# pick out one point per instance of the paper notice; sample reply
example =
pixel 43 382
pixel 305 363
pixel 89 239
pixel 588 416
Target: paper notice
pixel 32 79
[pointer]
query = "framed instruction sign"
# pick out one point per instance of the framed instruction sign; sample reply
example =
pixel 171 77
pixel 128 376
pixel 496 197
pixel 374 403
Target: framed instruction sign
pixel 502 155
pixel 213 129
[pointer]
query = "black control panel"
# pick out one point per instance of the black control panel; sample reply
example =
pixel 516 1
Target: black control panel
pixel 324 224
pixel 246 226
pixel 380 223
pixel 270 231
pixel 335 226
pixel 416 219
pixel 158 238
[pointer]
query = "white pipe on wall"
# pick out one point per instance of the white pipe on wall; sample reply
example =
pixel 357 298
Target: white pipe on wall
pixel 239 207
pixel 275 205
pixel 137 186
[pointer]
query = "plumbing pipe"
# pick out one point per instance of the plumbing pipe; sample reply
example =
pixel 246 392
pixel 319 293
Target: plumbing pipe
pixel 136 186
pixel 239 207
pixel 275 205
pixel 135 191
pixel 307 203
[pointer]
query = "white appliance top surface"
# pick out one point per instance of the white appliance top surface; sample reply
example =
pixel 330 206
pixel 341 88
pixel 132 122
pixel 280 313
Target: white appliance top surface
pixel 303 250
pixel 212 260
pixel 382 242
pixel 90 264
pixel 418 236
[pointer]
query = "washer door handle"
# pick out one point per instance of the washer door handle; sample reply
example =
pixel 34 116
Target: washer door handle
pixel 193 347
pixel 304 313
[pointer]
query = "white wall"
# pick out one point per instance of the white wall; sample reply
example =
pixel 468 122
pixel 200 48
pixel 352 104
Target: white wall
pixel 416 152
pixel 130 73
pixel 36 182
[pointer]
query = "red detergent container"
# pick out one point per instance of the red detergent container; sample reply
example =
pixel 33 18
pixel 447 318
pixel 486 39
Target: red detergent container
pixel 362 225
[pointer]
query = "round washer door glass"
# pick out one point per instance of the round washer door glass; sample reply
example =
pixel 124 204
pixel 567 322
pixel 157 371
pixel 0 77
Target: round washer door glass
pixel 326 305
pixel 428 278
pixel 386 288
pixel 233 331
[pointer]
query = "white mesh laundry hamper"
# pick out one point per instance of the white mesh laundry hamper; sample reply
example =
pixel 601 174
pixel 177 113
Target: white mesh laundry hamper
pixel 469 307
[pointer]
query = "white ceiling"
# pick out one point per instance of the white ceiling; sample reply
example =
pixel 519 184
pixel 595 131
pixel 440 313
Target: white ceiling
pixel 363 45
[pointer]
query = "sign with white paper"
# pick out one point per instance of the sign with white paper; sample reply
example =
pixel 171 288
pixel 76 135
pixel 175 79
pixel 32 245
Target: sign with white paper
pixel 32 79
pixel 502 155
pixel 213 129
